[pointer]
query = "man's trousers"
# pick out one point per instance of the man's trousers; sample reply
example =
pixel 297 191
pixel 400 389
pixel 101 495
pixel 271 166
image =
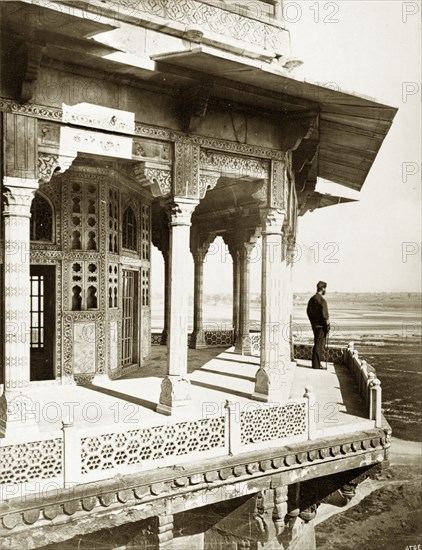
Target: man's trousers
pixel 320 334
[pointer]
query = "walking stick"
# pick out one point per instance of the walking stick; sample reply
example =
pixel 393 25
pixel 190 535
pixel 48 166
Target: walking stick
pixel 326 351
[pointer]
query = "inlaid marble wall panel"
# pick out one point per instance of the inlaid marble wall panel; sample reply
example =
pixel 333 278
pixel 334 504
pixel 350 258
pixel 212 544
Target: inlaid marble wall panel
pixel 114 331
pixel 84 347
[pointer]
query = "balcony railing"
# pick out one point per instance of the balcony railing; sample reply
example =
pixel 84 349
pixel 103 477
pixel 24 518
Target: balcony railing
pixel 364 375
pixel 86 454
pixel 368 383
pixel 81 453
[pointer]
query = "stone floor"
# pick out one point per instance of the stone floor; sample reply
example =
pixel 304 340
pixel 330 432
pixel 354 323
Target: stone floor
pixel 216 375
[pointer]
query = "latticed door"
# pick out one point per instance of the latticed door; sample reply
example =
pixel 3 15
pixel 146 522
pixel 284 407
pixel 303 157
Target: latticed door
pixel 42 321
pixel 129 317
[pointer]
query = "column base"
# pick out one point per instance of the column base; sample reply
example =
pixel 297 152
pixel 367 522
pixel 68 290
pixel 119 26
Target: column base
pixel 17 415
pixel 100 379
pixel 175 393
pixel 243 345
pixel 197 340
pixel 270 387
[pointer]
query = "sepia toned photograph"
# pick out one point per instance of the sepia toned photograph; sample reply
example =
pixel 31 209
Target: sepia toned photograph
pixel 202 204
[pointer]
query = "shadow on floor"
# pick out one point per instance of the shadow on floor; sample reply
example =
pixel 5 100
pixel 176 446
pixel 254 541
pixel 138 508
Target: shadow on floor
pixel 349 390
pixel 156 364
pixel 123 396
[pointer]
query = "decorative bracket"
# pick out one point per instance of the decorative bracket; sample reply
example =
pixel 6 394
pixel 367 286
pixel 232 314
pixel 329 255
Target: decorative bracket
pixel 195 104
pixel 296 128
pixel 207 181
pixel 31 55
pixel 49 164
pixel 154 176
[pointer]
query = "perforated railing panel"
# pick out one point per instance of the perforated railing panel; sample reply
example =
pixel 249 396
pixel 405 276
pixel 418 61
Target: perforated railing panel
pixel 107 451
pixel 31 461
pixel 272 423
pixel 219 337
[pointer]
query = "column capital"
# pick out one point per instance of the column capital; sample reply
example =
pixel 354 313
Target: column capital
pixel 272 221
pixel 199 255
pixel 290 249
pixel 180 211
pixel 18 197
pixel 200 242
pixel 248 249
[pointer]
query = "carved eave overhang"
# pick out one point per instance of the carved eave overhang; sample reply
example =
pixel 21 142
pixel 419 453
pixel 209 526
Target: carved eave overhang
pixel 351 127
pixel 33 33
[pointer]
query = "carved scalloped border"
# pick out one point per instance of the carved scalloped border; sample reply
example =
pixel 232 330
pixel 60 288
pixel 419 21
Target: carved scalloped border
pixel 99 499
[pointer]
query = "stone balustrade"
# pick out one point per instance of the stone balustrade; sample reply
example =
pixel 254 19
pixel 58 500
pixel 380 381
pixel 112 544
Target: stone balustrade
pixel 363 374
pixel 84 454
pixel 368 383
pixel 213 338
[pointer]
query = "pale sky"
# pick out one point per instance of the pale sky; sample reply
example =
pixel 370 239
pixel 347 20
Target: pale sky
pixel 374 49
pixel 370 47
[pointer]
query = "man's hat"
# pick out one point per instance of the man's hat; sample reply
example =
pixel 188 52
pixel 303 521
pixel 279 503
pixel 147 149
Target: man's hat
pixel 321 284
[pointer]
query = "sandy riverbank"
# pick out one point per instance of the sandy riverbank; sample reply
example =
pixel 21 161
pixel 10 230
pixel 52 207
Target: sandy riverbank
pixel 385 514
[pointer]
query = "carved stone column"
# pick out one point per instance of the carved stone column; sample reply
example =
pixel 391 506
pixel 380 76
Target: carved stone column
pixel 16 405
pixel 290 256
pixel 164 334
pixel 175 387
pixel 233 247
pixel 271 383
pixel 243 341
pixel 198 335
pixel 160 239
pixel 200 243
pixel 236 292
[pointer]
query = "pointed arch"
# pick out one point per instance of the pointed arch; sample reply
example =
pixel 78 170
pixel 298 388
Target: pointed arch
pixel 129 236
pixel 42 219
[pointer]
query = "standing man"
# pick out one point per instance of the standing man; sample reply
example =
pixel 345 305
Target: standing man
pixel 317 311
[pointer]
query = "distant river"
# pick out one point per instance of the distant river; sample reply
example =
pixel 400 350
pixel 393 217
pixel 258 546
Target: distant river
pixel 386 330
